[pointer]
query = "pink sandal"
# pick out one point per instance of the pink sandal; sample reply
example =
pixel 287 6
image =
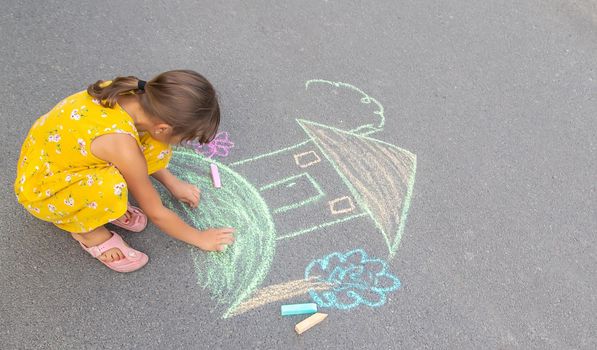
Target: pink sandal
pixel 133 259
pixel 136 223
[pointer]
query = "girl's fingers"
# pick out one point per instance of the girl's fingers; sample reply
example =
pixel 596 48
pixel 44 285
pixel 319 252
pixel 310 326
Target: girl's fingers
pixel 226 237
pixel 226 241
pixel 192 202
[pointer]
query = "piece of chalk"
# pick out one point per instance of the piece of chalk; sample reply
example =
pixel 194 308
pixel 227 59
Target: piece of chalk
pixel 298 309
pixel 215 175
pixel 309 322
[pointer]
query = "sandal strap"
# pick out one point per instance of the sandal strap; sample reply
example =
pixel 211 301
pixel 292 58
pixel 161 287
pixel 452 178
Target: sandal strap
pixel 115 241
pixel 136 212
pixel 133 209
pixel 118 242
pixel 133 259
pixel 137 216
pixel 97 250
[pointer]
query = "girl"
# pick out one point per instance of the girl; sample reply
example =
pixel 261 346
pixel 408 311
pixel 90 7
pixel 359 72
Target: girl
pixel 80 160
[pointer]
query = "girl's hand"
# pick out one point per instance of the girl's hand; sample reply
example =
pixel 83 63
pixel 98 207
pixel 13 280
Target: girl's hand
pixel 185 192
pixel 214 239
pixel 122 151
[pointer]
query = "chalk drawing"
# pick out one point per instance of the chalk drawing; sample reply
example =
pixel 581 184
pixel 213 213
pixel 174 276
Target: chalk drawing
pixel 281 291
pixel 299 159
pixel 271 208
pixel 380 177
pixel 318 227
pixel 355 279
pixel 234 274
pixel 365 129
pixel 220 146
pixel 292 181
pixel 336 203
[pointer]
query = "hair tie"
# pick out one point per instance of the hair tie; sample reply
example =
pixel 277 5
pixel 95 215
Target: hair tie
pixel 141 85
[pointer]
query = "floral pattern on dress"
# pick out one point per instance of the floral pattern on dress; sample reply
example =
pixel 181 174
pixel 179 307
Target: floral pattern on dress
pixel 58 178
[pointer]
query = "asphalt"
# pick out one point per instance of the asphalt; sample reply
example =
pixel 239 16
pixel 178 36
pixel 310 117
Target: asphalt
pixel 495 99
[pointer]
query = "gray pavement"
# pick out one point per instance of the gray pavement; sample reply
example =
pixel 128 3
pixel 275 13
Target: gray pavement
pixel 496 99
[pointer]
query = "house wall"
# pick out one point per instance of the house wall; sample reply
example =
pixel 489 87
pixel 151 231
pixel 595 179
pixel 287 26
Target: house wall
pixel 303 191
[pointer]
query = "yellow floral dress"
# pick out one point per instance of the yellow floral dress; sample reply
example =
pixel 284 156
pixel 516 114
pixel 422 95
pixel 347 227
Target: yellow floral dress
pixel 58 178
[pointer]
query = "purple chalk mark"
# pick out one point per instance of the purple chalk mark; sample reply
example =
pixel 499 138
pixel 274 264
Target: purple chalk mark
pixel 219 146
pixel 215 175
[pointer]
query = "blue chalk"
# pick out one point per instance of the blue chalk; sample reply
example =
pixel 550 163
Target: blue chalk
pixel 298 309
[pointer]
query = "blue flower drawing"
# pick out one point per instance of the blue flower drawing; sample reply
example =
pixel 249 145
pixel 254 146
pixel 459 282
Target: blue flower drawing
pixel 355 278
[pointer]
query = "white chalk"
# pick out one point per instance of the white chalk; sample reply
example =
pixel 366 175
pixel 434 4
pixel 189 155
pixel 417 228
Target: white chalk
pixel 215 175
pixel 309 322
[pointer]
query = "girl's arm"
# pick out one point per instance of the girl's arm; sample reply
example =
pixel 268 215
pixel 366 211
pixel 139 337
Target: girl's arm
pixel 165 177
pixel 181 190
pixel 122 151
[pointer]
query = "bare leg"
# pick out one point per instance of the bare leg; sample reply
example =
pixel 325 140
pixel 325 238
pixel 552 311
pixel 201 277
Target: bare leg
pixel 99 236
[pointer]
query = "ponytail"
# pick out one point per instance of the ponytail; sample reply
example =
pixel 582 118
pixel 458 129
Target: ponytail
pixel 106 91
pixel 183 99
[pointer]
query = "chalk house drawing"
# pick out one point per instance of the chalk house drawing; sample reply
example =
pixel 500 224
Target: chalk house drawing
pixel 378 183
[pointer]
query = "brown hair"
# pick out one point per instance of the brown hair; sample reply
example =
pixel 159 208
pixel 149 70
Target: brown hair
pixel 183 99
